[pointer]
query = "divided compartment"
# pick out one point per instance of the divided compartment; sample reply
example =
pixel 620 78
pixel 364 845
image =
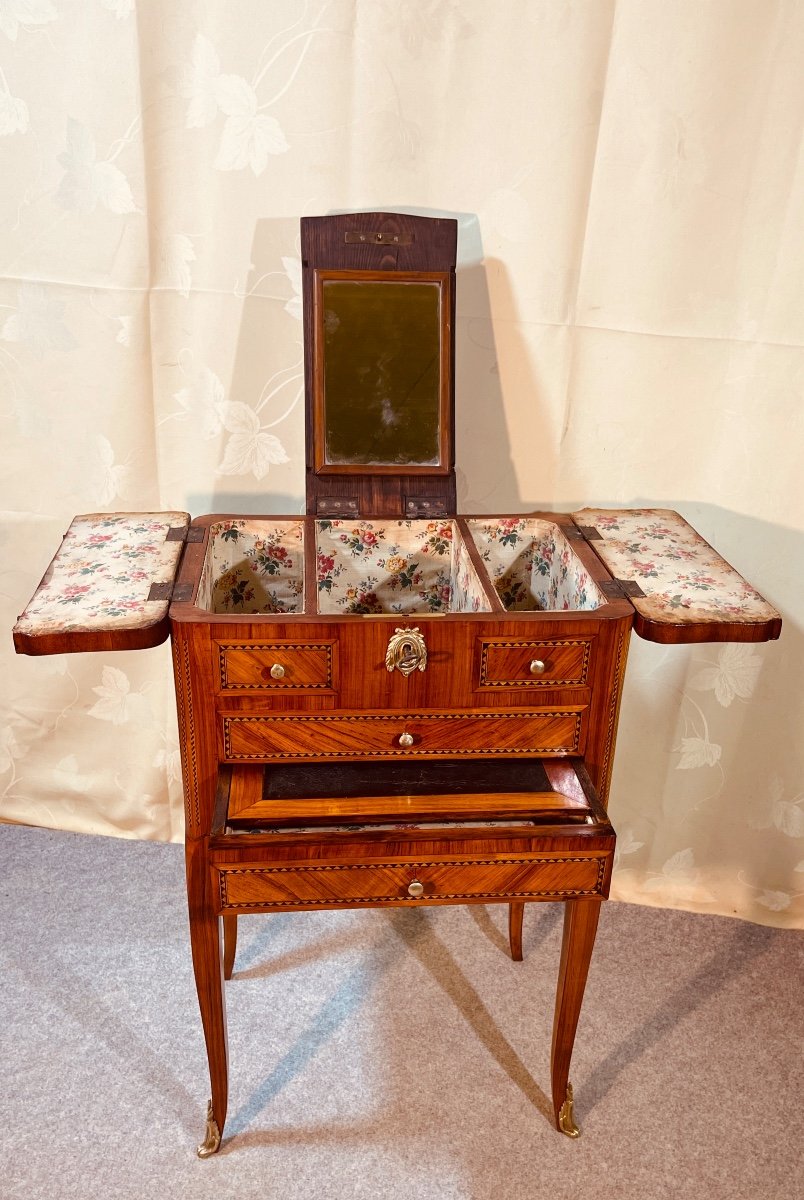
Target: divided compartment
pixel 254 567
pixel 391 566
pixel 533 566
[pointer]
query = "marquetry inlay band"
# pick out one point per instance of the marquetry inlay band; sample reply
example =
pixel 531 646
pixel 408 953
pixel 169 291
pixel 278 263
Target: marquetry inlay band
pixel 614 712
pixel 187 740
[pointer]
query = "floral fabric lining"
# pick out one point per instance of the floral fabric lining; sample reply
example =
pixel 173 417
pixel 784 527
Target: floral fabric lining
pixel 533 566
pixel 102 573
pixel 254 567
pixel 683 578
pixel 395 567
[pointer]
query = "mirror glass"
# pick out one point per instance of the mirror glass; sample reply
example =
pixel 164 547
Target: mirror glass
pixel 382 377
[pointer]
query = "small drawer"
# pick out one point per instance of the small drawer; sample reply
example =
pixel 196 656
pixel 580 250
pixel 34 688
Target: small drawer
pixel 275 666
pixel 516 664
pixel 411 735
pixel 547 877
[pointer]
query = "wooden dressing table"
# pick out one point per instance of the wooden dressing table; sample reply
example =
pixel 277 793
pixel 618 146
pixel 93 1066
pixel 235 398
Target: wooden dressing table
pixel 382 703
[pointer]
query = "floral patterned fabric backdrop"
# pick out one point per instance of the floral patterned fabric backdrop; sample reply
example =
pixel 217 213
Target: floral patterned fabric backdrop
pixel 629 180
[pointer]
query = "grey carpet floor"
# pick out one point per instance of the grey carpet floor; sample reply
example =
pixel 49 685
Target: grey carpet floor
pixel 382 1054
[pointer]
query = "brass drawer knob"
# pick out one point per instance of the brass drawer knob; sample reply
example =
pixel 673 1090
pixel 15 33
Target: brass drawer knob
pixel 406 739
pixel 537 667
pixel 277 671
pixel 415 889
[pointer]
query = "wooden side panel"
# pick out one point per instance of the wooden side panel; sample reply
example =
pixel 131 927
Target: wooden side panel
pixel 192 667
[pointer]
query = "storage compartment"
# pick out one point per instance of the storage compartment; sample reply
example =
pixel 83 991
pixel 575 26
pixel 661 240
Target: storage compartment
pixel 385 835
pixel 533 566
pixel 253 566
pixel 388 566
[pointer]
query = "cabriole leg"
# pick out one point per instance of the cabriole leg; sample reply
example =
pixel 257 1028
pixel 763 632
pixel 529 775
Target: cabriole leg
pixel 206 942
pixel 580 926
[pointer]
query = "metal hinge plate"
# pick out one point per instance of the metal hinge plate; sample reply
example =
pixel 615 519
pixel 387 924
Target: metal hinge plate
pixel 617 589
pixel 425 506
pixel 167 591
pixel 332 506
pixel 178 533
pixel 581 533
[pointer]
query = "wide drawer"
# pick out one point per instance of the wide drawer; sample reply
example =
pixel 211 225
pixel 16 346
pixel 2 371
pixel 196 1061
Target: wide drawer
pixel 408 735
pixel 544 877
pixel 516 663
pixel 275 666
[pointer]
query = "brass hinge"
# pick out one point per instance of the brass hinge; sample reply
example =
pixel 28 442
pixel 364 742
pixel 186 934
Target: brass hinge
pixel 582 533
pixel 178 533
pixel 332 506
pixel 169 591
pixel 425 506
pixel 618 589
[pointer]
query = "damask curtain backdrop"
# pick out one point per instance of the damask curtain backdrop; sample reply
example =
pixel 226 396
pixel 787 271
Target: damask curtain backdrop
pixel 629 182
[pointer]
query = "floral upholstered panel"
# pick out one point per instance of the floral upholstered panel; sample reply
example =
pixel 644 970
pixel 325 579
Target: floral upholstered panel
pixel 532 565
pixel 395 567
pixel 467 590
pixel 254 567
pixel 103 572
pixel 683 578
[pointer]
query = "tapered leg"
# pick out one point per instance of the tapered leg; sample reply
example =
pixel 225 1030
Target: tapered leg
pixel 580 926
pixel 205 939
pixel 229 944
pixel 516 910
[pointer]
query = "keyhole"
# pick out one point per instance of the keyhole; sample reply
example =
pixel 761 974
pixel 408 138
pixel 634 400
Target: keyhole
pixel 409 654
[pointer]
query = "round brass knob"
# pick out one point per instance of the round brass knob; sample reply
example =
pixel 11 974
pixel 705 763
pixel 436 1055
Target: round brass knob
pixel 415 889
pixel 537 667
pixel 277 671
pixel 406 739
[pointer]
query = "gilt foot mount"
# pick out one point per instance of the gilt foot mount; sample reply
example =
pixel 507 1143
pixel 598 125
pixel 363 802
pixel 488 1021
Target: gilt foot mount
pixel 566 1116
pixel 212 1137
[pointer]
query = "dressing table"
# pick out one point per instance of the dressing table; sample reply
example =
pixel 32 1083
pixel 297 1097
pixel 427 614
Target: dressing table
pixel 382 703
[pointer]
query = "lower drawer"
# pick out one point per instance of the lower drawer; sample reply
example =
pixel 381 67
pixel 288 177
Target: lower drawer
pixel 242 887
pixel 413 735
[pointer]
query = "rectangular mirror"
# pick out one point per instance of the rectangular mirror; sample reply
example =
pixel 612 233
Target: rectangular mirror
pixel 382 379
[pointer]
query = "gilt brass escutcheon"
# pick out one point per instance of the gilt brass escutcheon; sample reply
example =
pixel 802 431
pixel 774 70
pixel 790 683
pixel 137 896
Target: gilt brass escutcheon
pixel 406 651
